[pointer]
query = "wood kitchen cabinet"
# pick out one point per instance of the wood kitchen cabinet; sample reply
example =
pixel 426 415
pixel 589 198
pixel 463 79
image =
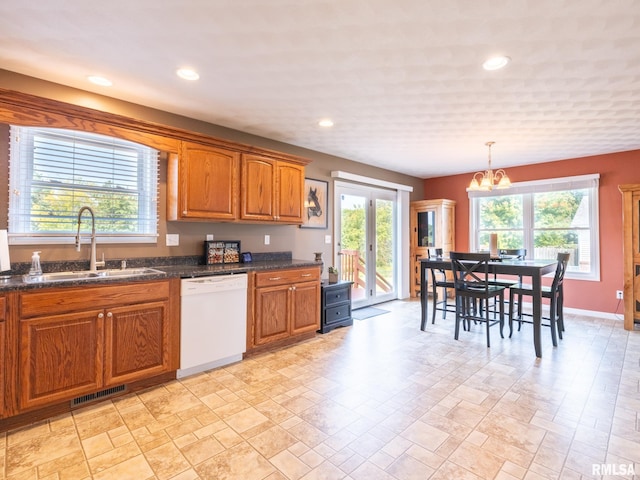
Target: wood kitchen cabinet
pixel 272 190
pixel 137 342
pixel 203 183
pixel 3 362
pixel 60 357
pixel 286 305
pixel 78 341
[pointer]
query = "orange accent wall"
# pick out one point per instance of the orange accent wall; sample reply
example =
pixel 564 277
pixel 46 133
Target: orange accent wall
pixel 614 169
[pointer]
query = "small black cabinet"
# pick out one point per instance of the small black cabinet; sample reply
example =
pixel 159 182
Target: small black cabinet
pixel 336 306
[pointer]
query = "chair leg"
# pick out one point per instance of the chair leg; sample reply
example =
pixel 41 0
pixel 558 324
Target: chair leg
pixel 435 303
pixel 560 315
pixel 444 299
pixel 458 315
pixel 552 321
pixel 510 314
pixel 486 319
pixel 501 314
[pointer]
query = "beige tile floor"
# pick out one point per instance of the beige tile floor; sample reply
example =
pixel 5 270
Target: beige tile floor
pixel 379 400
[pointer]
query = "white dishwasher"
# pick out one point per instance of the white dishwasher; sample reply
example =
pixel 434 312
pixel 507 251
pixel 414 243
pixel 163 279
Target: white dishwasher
pixel 213 322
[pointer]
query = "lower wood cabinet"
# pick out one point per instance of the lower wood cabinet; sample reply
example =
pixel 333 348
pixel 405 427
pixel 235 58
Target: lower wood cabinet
pixel 60 357
pixel 285 305
pixel 3 362
pixel 76 341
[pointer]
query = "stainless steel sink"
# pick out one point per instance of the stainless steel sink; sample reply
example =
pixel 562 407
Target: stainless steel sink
pixel 128 272
pixel 55 277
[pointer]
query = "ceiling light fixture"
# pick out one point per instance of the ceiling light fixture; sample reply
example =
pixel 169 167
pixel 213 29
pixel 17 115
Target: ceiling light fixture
pixel 187 74
pixel 496 63
pixel 325 123
pixel 489 179
pixel 98 80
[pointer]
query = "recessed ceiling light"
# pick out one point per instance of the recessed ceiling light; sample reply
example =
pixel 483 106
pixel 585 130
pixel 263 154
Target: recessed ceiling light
pixel 98 80
pixel 326 123
pixel 187 74
pixel 495 63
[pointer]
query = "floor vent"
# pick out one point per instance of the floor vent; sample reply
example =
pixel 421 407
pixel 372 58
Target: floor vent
pixel 98 395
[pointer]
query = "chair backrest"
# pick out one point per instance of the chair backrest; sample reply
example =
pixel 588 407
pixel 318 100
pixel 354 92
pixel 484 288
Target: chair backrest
pixel 434 253
pixel 470 270
pixel 517 253
pixel 561 269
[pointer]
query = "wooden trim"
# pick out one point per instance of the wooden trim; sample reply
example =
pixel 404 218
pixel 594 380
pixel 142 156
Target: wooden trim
pixel 24 109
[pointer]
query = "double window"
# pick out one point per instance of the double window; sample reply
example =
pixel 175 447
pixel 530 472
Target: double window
pixel 55 172
pixel 545 217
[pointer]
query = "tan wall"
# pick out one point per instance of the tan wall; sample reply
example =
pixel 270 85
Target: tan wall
pixel 302 242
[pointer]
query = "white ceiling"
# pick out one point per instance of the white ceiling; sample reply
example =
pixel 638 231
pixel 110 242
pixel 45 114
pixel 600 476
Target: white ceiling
pixel 401 79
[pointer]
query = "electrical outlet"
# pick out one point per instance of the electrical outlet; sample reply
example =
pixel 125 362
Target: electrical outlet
pixel 267 239
pixel 209 237
pixel 619 294
pixel 172 239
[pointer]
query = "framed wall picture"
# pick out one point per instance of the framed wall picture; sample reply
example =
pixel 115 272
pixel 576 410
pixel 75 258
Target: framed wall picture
pixel 316 193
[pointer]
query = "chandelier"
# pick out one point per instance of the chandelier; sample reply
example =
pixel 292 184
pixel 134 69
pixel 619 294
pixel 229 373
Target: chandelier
pixel 488 180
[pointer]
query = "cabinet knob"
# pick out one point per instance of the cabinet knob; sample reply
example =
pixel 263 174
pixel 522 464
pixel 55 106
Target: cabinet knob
pixel 274 278
pixel 100 316
pixel 109 315
pixel 184 212
pixel 305 275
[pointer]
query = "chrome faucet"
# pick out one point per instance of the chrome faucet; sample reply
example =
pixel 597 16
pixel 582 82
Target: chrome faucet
pixel 93 264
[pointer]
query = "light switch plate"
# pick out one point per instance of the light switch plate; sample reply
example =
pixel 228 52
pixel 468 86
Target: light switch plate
pixel 327 239
pixel 209 237
pixel 267 239
pixel 172 239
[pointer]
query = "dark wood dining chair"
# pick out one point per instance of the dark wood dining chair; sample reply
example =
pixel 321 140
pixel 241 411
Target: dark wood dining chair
pixel 554 293
pixel 439 280
pixel 472 286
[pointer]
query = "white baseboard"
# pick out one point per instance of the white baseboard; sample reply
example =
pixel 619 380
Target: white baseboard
pixel 579 311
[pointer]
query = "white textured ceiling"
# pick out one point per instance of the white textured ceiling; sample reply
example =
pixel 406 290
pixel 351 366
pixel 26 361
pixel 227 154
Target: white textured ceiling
pixel 402 79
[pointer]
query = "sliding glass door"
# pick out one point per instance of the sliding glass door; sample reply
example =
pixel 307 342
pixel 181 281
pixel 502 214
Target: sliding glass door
pixel 365 233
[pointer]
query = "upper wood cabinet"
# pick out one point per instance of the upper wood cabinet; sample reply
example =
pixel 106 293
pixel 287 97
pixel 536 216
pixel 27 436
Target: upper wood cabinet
pixel 272 190
pixel 204 179
pixel 202 183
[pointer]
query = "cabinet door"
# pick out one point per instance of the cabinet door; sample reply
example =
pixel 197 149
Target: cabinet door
pixel 258 188
pixel 3 360
pixel 60 357
pixel 137 342
pixel 305 307
pixel 209 183
pixel 271 314
pixel 290 191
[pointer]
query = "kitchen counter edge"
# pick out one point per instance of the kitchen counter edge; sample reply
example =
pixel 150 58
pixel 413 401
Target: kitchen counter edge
pixel 172 271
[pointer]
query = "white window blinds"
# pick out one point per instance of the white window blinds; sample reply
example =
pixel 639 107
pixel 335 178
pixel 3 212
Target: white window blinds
pixel 54 172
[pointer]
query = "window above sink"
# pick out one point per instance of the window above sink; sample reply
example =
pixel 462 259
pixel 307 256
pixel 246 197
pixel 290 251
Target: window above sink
pixel 53 172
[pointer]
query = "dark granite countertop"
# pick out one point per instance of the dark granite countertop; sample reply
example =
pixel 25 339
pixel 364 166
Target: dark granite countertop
pixel 168 267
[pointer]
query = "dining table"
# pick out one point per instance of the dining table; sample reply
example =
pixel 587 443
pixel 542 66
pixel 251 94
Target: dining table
pixel 534 269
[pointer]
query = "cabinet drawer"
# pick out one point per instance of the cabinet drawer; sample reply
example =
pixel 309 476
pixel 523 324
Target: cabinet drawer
pixel 54 301
pixel 337 314
pixel 337 295
pixel 284 277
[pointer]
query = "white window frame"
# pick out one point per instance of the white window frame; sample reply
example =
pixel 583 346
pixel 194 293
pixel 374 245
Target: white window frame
pixel 527 189
pixel 21 173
